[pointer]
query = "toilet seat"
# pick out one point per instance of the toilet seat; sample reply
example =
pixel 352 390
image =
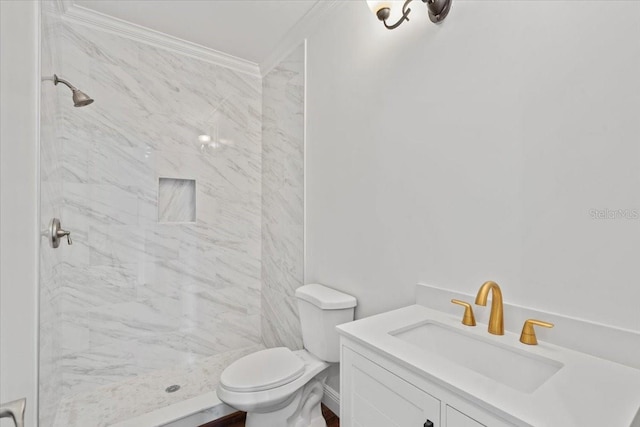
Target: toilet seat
pixel 272 398
pixel 262 370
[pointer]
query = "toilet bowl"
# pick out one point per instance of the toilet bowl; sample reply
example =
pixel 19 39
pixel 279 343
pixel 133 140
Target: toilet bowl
pixel 276 395
pixel 278 387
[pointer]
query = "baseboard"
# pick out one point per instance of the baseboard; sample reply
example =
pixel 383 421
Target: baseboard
pixel 331 399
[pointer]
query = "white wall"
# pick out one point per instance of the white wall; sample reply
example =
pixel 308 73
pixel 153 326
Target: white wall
pixel 475 150
pixel 19 92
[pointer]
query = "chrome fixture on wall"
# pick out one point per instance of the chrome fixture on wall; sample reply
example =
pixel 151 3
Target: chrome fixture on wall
pixel 80 99
pixel 14 410
pixel 56 233
pixel 438 10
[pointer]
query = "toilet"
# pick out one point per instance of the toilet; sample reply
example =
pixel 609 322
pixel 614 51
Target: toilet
pixel 278 387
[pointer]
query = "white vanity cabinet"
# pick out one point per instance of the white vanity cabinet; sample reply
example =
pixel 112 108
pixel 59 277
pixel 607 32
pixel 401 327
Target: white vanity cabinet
pixel 456 418
pixel 377 392
pixel 376 397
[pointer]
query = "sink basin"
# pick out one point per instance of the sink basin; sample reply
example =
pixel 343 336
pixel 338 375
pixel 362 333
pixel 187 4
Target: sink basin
pixel 516 369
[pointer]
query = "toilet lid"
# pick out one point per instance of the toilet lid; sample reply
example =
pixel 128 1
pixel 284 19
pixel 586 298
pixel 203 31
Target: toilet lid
pixel 262 370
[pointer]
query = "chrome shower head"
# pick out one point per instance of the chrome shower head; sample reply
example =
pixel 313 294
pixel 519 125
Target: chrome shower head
pixel 80 99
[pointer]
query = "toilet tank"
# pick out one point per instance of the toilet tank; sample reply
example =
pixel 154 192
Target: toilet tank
pixel 321 310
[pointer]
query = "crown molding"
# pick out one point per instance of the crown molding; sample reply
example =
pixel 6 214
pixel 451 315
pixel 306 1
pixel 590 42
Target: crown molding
pixel 299 32
pixel 63 5
pixel 76 14
pixel 56 7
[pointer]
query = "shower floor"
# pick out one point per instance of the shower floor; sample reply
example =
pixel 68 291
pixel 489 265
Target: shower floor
pixel 117 403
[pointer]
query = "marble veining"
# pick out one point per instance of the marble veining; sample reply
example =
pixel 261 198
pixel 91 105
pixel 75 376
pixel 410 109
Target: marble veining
pixel 283 200
pixel 136 297
pixel 163 285
pixel 145 393
pixel 176 200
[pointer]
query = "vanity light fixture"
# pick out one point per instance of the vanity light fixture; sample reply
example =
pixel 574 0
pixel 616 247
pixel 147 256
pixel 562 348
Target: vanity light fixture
pixel 438 10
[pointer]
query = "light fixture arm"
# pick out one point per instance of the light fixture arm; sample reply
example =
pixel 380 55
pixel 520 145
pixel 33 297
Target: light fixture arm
pixel 438 10
pixel 383 15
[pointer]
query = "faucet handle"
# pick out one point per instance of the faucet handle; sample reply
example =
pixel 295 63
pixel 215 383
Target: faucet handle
pixel 468 318
pixel 14 410
pixel 528 335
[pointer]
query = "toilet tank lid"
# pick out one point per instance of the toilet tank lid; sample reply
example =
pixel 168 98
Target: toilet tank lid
pixel 325 298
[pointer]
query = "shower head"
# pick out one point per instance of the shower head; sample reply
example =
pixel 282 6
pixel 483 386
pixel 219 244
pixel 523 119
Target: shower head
pixel 80 99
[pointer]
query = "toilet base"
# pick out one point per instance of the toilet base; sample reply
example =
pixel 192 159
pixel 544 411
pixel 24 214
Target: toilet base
pixel 303 410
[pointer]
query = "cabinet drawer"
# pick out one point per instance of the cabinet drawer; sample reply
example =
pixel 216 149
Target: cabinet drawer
pixel 456 418
pixel 374 397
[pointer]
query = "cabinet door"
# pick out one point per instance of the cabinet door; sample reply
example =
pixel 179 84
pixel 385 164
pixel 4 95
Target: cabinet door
pixel 456 418
pixel 374 397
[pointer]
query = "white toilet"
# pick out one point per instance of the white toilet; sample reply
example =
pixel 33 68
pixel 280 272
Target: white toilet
pixel 278 387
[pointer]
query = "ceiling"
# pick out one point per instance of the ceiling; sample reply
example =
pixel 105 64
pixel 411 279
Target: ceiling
pixel 247 29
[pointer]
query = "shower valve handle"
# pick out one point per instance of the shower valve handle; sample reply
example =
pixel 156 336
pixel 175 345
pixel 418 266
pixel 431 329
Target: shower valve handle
pixel 56 233
pixel 62 233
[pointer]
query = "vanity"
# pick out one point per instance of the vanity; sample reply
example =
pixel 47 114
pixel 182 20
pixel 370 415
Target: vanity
pixel 420 366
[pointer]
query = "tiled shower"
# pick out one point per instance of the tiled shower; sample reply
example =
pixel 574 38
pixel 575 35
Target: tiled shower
pixel 186 252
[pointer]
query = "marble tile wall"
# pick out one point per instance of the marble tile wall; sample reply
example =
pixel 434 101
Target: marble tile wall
pixel 132 294
pixel 176 200
pixel 283 200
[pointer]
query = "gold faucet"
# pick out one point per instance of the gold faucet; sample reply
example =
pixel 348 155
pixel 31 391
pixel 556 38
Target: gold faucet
pixel 496 318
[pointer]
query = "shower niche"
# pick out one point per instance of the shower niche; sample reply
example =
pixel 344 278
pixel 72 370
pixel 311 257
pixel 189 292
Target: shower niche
pixel 176 200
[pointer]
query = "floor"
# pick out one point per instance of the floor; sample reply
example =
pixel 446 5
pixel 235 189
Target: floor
pixel 237 419
pixel 122 401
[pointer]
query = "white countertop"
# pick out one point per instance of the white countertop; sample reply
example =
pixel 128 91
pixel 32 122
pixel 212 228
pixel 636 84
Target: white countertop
pixel 585 391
